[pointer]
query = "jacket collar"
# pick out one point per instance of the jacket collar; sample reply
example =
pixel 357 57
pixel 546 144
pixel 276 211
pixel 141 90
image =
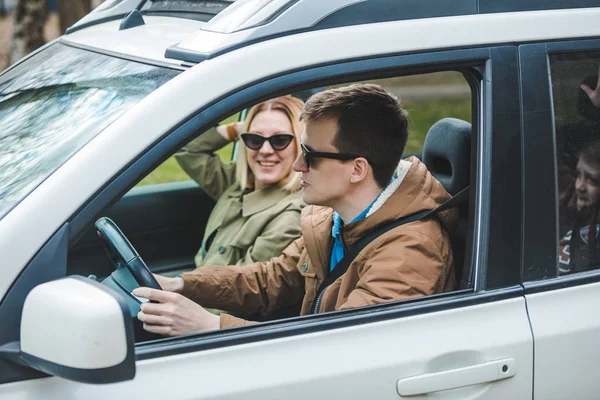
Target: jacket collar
pixel 418 191
pixel 259 200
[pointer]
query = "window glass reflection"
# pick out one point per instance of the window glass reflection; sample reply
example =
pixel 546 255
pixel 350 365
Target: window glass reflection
pixel 576 94
pixel 54 103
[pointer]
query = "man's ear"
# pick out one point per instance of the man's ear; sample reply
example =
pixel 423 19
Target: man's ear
pixel 360 170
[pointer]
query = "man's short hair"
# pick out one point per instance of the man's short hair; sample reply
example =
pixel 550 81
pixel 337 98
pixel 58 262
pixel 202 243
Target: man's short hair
pixel 371 123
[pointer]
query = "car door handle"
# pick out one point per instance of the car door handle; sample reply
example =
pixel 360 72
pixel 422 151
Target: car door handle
pixel 456 378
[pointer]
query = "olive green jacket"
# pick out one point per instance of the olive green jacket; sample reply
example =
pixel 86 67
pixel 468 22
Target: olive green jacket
pixel 243 228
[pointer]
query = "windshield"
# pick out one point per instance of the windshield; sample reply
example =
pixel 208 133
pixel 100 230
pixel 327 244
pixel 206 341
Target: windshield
pixel 54 103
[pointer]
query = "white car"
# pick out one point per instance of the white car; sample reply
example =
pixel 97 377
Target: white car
pixel 86 117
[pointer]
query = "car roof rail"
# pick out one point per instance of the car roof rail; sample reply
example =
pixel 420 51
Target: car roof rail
pixel 251 21
pixel 112 10
pixel 247 21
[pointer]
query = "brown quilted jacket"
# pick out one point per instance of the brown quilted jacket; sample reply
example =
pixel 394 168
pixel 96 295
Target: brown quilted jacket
pixel 411 260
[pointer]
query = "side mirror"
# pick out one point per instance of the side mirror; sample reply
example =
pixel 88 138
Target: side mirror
pixel 77 329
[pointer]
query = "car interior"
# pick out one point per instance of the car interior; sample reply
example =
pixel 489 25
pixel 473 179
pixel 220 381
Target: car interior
pixel 164 222
pixel 447 155
pixel 576 128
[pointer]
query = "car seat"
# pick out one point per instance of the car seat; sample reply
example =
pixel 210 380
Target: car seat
pixel 447 155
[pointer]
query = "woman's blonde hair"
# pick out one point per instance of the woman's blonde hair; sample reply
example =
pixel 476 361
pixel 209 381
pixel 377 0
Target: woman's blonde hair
pixel 291 107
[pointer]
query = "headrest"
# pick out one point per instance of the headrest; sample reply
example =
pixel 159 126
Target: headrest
pixel 447 153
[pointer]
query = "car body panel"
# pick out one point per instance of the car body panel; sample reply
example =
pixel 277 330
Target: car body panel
pixel 565 324
pixel 352 363
pixel 147 41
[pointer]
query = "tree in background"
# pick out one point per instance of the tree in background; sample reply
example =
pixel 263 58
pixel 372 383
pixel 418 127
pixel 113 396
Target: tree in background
pixel 29 17
pixel 71 11
pixel 3 8
pixel 28 27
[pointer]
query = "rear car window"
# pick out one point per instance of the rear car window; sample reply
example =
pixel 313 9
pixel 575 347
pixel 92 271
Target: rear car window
pixel 576 100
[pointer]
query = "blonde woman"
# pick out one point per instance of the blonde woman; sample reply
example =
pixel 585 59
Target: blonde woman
pixel 257 213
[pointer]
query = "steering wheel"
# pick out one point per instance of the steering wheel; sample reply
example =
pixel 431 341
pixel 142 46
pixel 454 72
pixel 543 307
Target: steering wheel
pixel 123 255
pixel 130 272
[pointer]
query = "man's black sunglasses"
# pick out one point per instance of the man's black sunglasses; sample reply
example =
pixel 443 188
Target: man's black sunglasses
pixel 308 154
pixel 255 141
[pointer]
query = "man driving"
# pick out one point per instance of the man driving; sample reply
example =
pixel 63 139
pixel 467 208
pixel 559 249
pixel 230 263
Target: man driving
pixel 355 182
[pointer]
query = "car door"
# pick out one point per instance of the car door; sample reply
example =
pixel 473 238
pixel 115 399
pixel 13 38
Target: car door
pixel 472 343
pixel 562 288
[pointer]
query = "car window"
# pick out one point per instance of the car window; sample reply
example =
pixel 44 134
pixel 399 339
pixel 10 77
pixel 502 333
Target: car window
pixel 429 98
pixel 440 107
pixel 52 104
pixel 172 241
pixel 170 171
pixel 576 101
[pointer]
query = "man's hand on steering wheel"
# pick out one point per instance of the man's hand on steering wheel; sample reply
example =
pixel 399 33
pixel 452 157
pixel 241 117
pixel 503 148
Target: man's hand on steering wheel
pixel 169 284
pixel 168 313
pixel 173 314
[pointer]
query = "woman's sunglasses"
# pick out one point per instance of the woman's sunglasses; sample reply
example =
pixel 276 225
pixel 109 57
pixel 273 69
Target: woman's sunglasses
pixel 255 141
pixel 308 154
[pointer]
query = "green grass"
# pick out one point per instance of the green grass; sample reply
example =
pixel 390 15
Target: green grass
pixel 431 79
pixel 170 171
pixel 422 114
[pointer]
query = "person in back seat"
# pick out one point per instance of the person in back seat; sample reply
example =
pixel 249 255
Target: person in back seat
pixel 354 179
pixel 578 249
pixel 579 190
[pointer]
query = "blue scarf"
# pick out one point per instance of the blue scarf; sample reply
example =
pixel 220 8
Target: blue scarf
pixel 337 251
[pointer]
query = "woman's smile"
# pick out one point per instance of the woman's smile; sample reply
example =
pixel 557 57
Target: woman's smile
pixel 268 165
